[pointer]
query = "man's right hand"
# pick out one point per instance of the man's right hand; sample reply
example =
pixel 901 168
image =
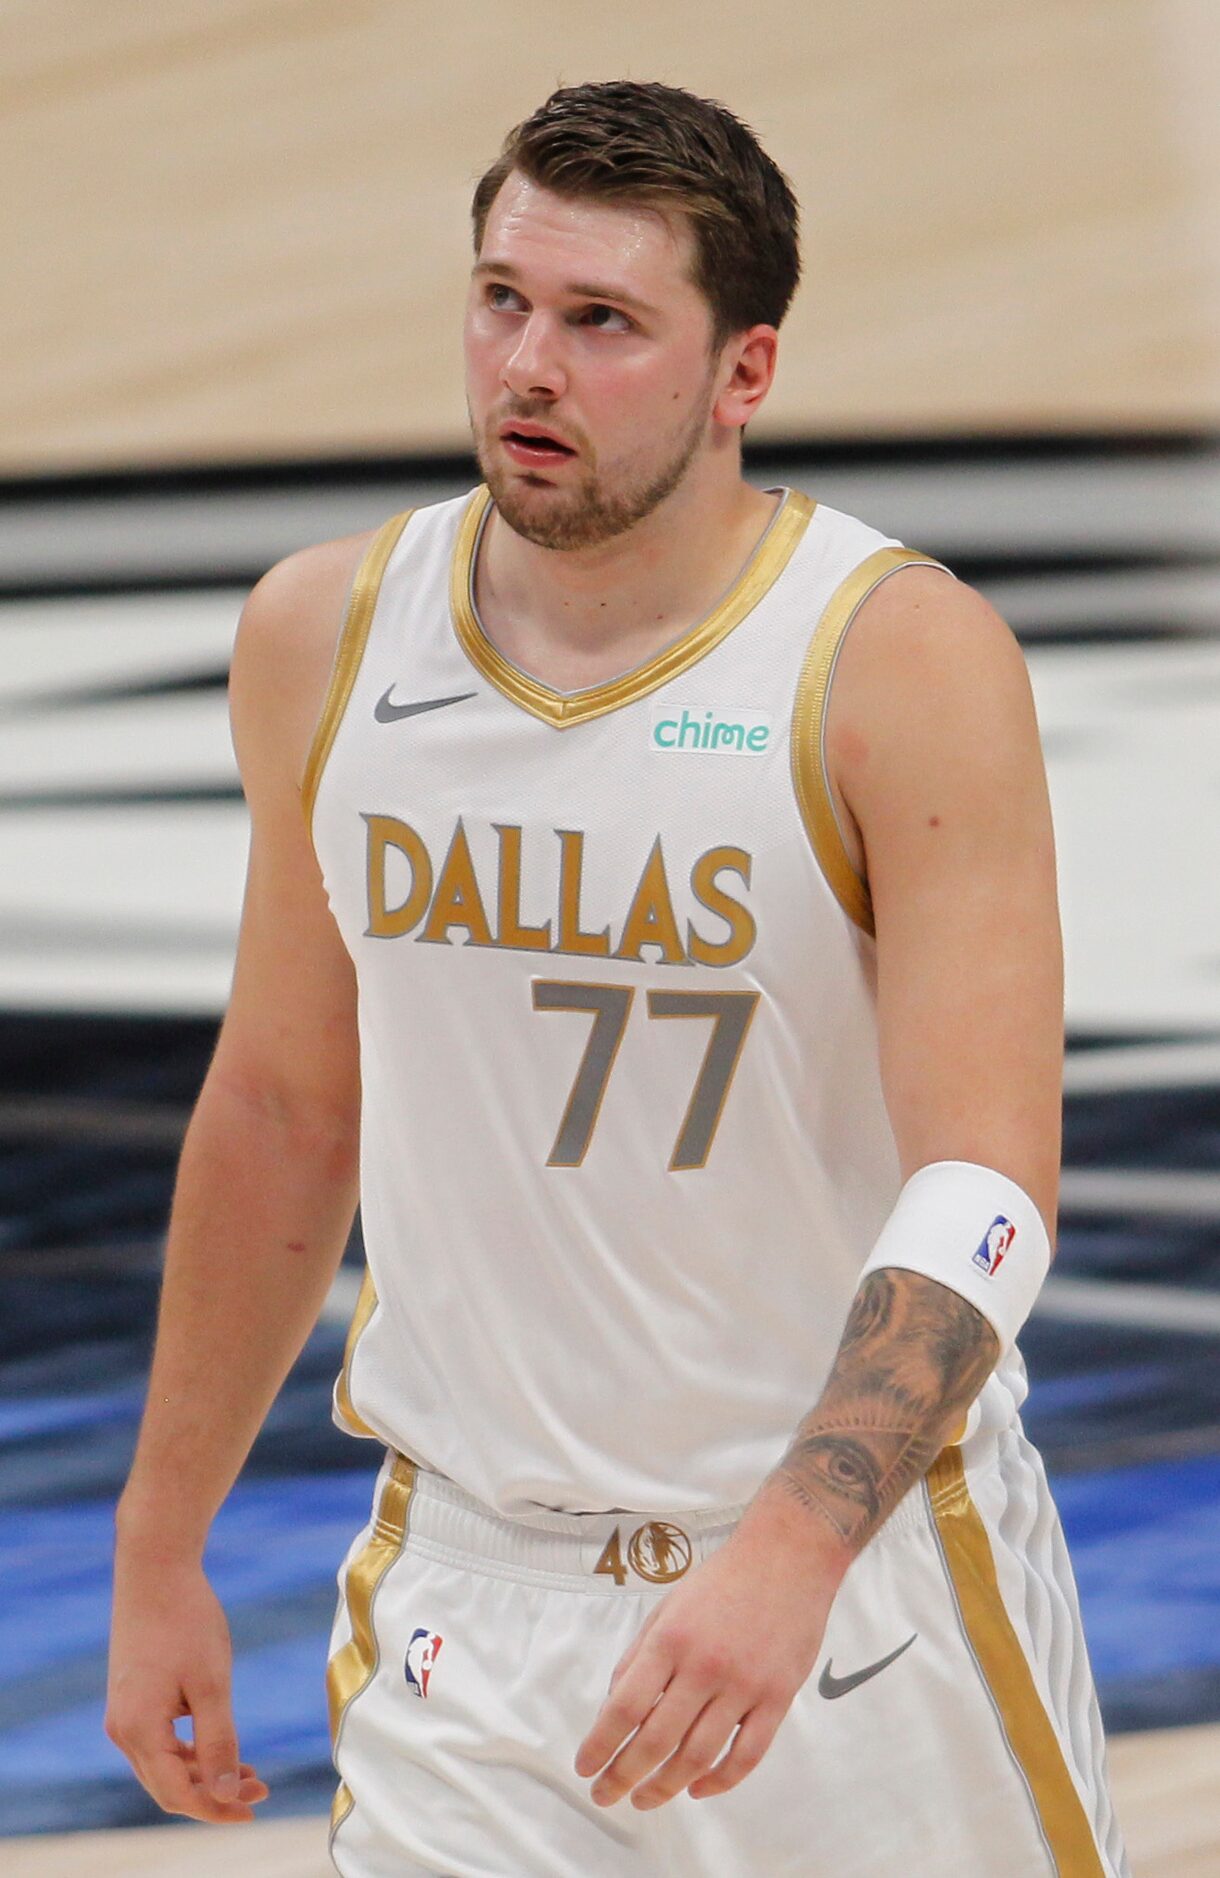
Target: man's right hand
pixel 170 1656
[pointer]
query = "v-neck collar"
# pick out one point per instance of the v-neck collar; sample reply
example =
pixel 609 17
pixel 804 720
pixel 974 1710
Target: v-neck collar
pixel 561 708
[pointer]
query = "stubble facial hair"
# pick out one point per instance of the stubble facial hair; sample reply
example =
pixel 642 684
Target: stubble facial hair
pixel 587 515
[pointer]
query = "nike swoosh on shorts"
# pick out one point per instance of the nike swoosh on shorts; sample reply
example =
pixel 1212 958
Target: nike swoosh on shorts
pixel 387 713
pixel 832 1686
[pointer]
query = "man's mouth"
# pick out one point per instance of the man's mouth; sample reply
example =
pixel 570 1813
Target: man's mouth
pixel 534 447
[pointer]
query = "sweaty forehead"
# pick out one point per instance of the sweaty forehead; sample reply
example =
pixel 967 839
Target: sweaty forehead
pixel 531 226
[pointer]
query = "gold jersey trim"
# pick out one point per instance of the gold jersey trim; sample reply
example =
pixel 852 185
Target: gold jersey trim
pixel 1006 1671
pixel 809 773
pixel 353 638
pixel 354 1665
pixel 366 1303
pixel 561 709
pixel 340 1807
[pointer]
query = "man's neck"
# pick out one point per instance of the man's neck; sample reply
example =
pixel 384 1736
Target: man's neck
pixel 579 617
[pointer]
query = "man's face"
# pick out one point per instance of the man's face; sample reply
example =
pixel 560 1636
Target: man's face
pixel 583 322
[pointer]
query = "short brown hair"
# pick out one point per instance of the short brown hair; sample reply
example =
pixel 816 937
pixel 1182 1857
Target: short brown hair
pixel 666 149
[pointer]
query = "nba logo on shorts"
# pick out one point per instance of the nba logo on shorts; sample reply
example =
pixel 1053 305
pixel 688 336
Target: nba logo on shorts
pixel 422 1652
pixel 990 1253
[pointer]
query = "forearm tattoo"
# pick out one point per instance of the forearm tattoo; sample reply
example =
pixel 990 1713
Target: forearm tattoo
pixel 912 1359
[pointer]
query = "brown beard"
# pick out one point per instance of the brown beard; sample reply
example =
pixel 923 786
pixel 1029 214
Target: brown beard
pixel 587 515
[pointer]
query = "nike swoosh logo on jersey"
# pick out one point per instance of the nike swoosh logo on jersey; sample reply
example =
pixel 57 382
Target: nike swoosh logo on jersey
pixel 387 713
pixel 832 1686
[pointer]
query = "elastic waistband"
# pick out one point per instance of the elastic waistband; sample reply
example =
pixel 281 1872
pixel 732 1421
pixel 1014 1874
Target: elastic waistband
pixel 598 1552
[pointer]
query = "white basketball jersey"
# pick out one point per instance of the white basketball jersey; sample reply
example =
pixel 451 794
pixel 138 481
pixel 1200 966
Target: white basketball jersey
pixel 624 1148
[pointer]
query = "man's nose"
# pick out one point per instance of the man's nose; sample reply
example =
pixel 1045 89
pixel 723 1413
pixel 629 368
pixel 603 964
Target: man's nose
pixel 534 367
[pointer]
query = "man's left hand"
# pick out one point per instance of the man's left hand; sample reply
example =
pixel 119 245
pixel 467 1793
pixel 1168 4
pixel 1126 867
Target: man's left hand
pixel 720 1658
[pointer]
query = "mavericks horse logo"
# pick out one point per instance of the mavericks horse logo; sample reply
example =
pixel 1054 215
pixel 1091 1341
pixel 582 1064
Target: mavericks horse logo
pixel 659 1552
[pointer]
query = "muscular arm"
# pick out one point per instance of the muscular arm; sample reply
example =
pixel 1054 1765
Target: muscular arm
pixel 937 773
pixel 938 782
pixel 913 1358
pixel 263 1203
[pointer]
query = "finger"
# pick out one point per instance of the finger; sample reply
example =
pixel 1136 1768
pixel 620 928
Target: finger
pixel 170 1771
pixel 155 1753
pixel 696 1754
pixel 751 1742
pixel 250 1787
pixel 622 1712
pixel 657 1737
pixel 215 1736
pixel 632 1651
pixel 166 1767
pixel 169 1779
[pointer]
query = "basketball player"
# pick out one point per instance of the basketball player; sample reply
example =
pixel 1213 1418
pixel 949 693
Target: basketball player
pixel 677 973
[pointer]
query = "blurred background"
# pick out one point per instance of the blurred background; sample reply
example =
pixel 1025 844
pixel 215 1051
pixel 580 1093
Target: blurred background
pixel 235 241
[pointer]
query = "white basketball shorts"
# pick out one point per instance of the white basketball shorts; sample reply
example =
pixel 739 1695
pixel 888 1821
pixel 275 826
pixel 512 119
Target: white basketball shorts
pixel 948 1730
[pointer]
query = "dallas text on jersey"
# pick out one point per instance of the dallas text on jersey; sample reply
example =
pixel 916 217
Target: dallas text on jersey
pixel 437 903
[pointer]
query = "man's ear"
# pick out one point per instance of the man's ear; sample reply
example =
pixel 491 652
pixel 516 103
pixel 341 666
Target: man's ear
pixel 750 357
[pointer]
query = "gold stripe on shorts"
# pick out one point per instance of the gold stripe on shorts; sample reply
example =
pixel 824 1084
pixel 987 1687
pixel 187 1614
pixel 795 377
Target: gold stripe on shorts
pixel 809 723
pixel 352 1667
pixel 349 652
pixel 340 1806
pixel 1006 1671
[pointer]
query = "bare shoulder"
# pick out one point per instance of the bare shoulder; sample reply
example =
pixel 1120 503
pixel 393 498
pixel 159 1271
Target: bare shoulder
pixel 923 638
pixel 930 693
pixel 283 654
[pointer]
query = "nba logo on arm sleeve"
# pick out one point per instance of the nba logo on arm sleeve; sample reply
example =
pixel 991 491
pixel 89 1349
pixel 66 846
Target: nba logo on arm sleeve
pixel 422 1652
pixel 989 1254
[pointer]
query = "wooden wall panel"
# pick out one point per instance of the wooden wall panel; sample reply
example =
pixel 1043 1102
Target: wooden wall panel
pixel 237 228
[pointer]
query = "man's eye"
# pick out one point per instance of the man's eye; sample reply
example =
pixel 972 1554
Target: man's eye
pixel 494 293
pixel 601 317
